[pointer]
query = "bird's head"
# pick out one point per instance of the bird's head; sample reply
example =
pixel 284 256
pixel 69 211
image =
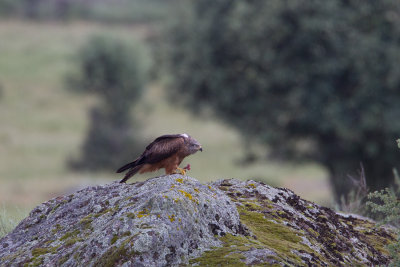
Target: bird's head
pixel 194 146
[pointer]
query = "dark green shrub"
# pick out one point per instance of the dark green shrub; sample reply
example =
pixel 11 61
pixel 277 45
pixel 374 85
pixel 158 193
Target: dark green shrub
pixel 117 73
pixel 312 79
pixel 386 203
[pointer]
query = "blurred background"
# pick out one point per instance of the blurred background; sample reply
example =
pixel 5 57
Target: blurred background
pixel 299 94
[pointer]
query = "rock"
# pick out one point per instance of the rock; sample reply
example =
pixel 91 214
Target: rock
pixel 174 220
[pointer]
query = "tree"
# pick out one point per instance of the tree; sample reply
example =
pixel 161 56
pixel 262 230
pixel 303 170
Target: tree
pixel 117 73
pixel 295 72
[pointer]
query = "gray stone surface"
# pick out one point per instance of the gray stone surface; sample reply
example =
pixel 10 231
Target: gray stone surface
pixel 160 222
pixel 176 220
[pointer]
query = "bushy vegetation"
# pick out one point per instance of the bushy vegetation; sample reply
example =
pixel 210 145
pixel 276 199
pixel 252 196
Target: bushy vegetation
pixel 312 79
pixel 386 204
pixel 116 72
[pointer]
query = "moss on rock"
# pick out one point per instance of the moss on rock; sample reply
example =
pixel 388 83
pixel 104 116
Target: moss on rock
pixel 170 221
pixel 298 231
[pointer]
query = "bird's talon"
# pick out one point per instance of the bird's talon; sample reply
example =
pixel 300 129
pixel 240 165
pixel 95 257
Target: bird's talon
pixel 181 171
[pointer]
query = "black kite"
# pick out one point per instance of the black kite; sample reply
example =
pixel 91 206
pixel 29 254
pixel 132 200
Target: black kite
pixel 166 152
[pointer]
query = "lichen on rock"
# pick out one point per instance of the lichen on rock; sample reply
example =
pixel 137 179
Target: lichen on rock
pixel 298 232
pixel 125 223
pixel 176 220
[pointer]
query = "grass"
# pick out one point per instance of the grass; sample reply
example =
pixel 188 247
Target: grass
pixel 42 124
pixel 116 11
pixel 8 221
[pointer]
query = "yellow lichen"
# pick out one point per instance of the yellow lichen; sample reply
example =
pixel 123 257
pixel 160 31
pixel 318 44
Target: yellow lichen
pixel 143 213
pixel 179 180
pixel 189 196
pixel 186 194
pixel 171 217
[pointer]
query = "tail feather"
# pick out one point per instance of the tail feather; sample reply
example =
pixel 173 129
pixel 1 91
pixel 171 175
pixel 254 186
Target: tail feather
pixel 130 173
pixel 127 166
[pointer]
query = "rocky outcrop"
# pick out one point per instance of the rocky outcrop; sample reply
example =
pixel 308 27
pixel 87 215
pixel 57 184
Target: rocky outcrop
pixel 175 220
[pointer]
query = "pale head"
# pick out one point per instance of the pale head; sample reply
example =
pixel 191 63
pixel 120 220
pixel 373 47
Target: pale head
pixel 194 146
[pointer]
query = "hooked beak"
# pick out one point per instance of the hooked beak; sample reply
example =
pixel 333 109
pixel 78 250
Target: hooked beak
pixel 201 149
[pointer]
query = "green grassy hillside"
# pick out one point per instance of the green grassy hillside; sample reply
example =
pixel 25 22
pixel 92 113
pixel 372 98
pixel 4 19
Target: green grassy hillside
pixel 42 124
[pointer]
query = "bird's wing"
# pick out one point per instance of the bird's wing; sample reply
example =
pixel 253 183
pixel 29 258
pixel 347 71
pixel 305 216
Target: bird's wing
pixel 161 138
pixel 162 148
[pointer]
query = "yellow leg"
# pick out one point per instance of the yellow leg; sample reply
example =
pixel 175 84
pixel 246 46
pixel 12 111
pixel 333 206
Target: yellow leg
pixel 181 171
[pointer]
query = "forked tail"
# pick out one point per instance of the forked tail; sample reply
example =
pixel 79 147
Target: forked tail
pixel 127 166
pixel 130 173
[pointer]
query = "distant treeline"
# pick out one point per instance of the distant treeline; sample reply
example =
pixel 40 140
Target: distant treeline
pixel 116 11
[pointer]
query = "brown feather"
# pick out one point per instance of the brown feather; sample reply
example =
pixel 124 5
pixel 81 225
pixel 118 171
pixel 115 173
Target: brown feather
pixel 162 149
pixel 163 137
pixel 166 151
pixel 127 166
pixel 130 173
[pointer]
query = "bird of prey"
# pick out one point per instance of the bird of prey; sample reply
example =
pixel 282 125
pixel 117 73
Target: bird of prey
pixel 166 152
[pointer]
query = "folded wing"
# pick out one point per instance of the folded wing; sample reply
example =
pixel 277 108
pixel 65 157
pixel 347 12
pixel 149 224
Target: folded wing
pixel 162 148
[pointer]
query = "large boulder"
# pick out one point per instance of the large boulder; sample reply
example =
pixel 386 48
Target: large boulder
pixel 174 220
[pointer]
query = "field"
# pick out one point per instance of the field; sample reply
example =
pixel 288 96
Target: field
pixel 42 125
